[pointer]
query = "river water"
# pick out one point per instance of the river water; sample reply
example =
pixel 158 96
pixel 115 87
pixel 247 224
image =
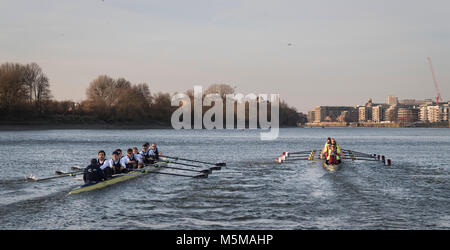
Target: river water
pixel 251 192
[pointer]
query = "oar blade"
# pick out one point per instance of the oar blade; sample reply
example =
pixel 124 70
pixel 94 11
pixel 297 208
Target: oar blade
pixel 203 162
pixel 201 176
pixel 31 178
pixel 76 168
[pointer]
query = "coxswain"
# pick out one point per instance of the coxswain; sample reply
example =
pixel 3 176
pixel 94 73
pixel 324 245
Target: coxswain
pixel 333 157
pixel 114 166
pixel 93 173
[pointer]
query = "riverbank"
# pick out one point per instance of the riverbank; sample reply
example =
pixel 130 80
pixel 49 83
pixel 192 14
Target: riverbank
pixel 60 126
pixel 46 125
pixel 380 125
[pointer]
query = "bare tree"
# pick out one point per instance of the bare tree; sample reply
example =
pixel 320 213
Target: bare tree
pixel 31 72
pixel 37 84
pixel 161 109
pixel 221 89
pixel 13 89
pixel 144 93
pixel 122 83
pixel 118 99
pixel 101 90
pixel 41 91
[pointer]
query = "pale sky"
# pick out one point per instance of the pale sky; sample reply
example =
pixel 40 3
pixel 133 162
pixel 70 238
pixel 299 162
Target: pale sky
pixel 340 53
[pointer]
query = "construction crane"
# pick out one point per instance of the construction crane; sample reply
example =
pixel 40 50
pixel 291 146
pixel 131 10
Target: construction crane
pixel 438 94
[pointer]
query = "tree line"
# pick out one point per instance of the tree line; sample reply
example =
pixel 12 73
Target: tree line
pixel 25 95
pixel 24 90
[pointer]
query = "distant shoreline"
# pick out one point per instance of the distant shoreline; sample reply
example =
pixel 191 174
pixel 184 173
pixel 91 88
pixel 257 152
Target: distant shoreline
pixel 39 127
pixel 19 126
pixel 28 127
pixel 378 125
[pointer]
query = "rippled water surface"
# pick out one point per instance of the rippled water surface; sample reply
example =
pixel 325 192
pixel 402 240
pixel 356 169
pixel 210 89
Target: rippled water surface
pixel 251 192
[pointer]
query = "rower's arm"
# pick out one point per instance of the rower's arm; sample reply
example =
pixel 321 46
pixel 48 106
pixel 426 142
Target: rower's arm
pixel 123 162
pixel 323 151
pixel 105 165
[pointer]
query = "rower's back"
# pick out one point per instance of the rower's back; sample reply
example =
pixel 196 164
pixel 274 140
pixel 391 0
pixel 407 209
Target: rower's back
pixel 93 173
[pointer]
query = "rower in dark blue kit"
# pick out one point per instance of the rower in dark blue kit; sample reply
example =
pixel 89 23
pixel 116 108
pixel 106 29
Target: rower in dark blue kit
pixel 93 173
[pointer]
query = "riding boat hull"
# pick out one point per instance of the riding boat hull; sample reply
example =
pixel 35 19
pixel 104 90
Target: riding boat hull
pixel 119 178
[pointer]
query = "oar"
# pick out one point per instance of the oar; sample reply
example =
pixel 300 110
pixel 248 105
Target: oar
pixel 59 172
pixel 364 159
pixel 359 155
pixel 183 175
pixel 284 156
pixel 204 171
pixel 279 160
pixel 353 153
pixel 296 153
pixel 356 152
pixel 183 159
pixel 190 165
pixel 33 178
pixel 362 156
pixel 302 158
pixel 77 168
pixel 371 156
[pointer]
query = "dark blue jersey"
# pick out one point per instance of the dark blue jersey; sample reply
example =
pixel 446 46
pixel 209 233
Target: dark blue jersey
pixel 93 173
